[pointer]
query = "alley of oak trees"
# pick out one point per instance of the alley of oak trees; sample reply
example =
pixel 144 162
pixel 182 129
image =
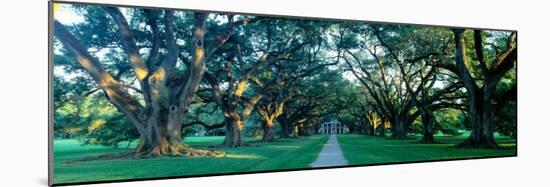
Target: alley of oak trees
pixel 156 76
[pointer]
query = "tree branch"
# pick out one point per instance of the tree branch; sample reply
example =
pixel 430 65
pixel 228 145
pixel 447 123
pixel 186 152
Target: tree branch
pixel 115 92
pixel 478 42
pixel 205 125
pixel 461 62
pixel 129 44
pixel 510 48
pixel 152 17
pixel 168 65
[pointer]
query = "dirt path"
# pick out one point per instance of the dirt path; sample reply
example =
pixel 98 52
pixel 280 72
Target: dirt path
pixel 330 155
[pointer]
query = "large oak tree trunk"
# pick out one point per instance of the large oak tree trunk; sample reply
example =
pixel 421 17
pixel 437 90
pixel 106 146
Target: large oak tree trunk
pixel 367 128
pixel 481 136
pixel 268 113
pixel 163 136
pixel 296 130
pixel 302 130
pixel 370 130
pixel 268 130
pixel 234 136
pixel 427 124
pixel 235 122
pixel 285 129
pixel 399 129
pixel 382 127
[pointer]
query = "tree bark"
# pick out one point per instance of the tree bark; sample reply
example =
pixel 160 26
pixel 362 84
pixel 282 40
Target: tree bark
pixel 268 132
pixel 481 135
pixel 296 130
pixel 427 124
pixel 399 127
pixel 233 135
pixel 285 129
pixel 162 136
pixel 370 129
pixel 382 129
pixel 269 112
pixel 235 121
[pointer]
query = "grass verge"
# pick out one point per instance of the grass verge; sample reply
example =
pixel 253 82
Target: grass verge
pixel 361 149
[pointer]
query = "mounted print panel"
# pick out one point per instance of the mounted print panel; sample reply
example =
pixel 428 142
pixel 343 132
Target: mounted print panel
pixel 139 93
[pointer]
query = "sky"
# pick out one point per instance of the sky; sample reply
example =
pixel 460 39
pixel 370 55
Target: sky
pixel 64 14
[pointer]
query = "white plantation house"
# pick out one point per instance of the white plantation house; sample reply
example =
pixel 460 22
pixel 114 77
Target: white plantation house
pixel 333 127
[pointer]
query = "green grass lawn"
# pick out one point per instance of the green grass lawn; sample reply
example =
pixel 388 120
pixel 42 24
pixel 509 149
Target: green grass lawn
pixel 279 155
pixel 361 149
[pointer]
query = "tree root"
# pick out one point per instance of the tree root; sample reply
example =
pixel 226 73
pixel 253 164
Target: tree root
pixel 131 155
pixel 204 153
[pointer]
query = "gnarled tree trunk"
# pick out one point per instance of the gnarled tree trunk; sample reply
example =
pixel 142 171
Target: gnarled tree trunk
pixel 235 122
pixel 269 112
pixel 285 129
pixel 382 128
pixel 427 128
pixel 163 135
pixel 482 125
pixel 399 127
pixel 268 130
pixel 296 130
pixel 370 129
pixel 233 135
